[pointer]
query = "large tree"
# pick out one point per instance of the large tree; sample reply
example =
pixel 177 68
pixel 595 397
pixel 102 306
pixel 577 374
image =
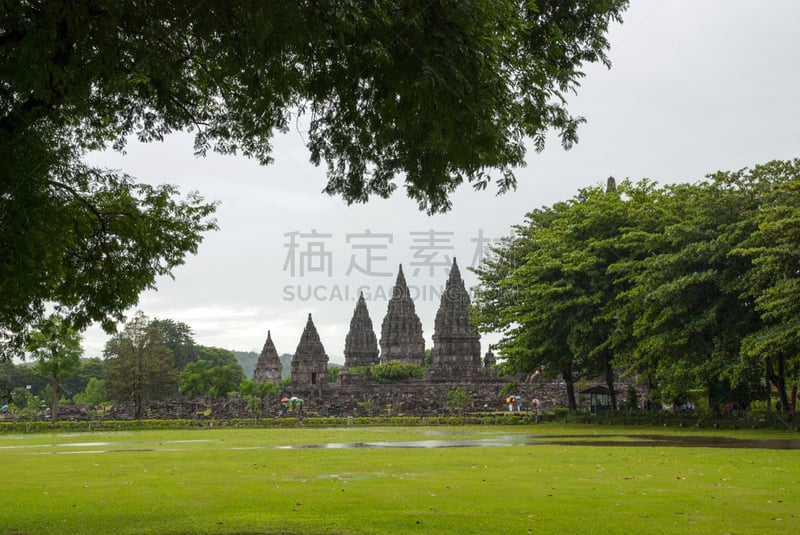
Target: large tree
pixel 548 289
pixel 56 346
pixel 179 338
pixel 216 373
pixel 523 294
pixel 691 286
pixel 689 319
pixel 139 364
pixel 433 94
pixel 773 282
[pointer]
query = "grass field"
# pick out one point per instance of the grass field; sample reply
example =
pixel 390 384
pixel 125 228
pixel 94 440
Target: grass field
pixel 499 480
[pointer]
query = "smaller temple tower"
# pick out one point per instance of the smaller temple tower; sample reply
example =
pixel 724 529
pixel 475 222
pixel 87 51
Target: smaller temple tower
pixel 269 367
pixel 361 344
pixel 309 363
pixel 401 331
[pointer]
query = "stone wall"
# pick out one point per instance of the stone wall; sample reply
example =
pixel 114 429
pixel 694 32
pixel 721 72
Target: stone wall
pixel 361 397
pixel 356 396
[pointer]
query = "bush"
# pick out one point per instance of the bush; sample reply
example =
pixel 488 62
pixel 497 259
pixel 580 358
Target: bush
pixel 395 371
pixel 361 371
pixel 249 388
pixel 457 400
pixel 560 412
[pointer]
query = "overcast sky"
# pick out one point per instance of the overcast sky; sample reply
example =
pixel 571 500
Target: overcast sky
pixel 695 87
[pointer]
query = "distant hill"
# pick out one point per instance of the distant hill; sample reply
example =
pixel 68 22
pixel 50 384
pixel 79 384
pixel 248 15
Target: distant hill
pixel 247 360
pixel 286 362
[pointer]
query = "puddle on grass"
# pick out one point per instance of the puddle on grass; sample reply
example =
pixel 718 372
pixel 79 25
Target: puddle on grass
pixel 572 440
pixel 492 442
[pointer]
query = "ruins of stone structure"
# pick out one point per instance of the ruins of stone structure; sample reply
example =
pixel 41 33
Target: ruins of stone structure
pixel 456 349
pixel 361 344
pixel 401 331
pixel 269 367
pixel 310 362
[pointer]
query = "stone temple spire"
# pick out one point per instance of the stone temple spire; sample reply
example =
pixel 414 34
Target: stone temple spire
pixel 455 341
pixel 309 363
pixel 401 331
pixel 361 345
pixel 269 367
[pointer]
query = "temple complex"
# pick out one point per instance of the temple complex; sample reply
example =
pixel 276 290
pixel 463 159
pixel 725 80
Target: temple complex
pixel 269 367
pixel 455 357
pixel 310 363
pixel 455 362
pixel 361 344
pixel 401 331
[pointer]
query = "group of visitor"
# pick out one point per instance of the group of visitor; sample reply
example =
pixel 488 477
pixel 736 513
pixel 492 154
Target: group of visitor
pixel 514 401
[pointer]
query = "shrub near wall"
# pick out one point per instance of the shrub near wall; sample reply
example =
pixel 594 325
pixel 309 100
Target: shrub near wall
pixel 395 371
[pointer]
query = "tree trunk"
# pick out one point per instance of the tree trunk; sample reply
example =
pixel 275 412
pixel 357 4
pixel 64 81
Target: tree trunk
pixel 610 383
pixel 711 396
pixel 782 389
pixel 138 386
pixel 54 406
pixel 569 382
pixel 768 382
pixel 779 380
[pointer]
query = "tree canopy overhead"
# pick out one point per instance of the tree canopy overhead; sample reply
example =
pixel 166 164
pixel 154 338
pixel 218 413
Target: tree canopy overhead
pixel 437 92
pixel 427 94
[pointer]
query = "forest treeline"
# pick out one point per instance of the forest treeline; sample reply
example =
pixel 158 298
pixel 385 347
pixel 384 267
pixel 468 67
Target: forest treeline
pixel 150 359
pixel 692 286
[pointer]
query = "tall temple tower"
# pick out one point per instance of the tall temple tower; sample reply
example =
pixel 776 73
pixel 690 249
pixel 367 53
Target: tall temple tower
pixel 309 363
pixel 269 367
pixel 401 331
pixel 361 344
pixel 456 344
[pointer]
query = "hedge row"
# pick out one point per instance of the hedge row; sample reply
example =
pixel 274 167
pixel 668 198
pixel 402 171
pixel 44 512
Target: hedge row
pixel 152 424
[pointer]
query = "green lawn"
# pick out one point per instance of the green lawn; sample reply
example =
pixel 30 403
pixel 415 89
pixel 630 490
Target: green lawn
pixel 252 481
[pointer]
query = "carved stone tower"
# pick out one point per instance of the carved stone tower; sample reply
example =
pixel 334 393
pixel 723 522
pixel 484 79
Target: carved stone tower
pixel 269 367
pixel 361 345
pixel 456 344
pixel 309 363
pixel 401 331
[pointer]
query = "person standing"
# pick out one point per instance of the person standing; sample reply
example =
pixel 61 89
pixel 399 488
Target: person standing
pixel 535 406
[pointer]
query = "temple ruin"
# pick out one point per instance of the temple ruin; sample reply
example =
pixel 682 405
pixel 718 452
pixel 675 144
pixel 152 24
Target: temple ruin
pixel 269 367
pixel 361 345
pixel 456 352
pixel 310 363
pixel 401 331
